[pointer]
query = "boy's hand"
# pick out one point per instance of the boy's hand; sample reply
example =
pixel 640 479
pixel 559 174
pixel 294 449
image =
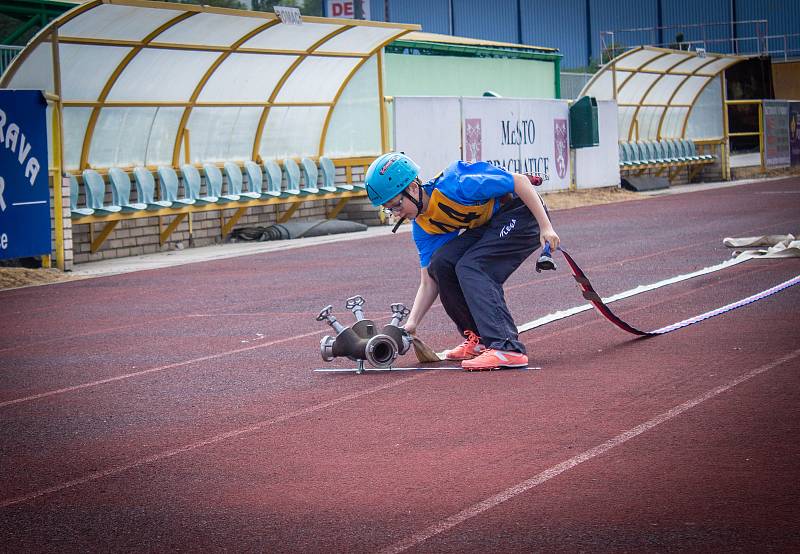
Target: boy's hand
pixel 549 235
pixel 410 327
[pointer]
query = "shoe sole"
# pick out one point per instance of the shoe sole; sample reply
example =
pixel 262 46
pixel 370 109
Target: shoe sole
pixel 505 366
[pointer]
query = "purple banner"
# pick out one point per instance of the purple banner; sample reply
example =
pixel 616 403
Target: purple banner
pixel 794 132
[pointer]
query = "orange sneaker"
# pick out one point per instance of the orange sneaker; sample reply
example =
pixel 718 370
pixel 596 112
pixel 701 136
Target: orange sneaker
pixel 494 359
pixel 467 349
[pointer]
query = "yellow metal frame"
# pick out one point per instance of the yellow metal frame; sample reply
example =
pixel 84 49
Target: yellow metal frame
pixel 262 121
pixel 343 86
pixel 669 105
pixel 58 149
pixel 97 241
pixel 726 143
pixel 182 142
pixel 618 64
pixel 58 198
pixel 183 12
pixel 759 133
pixel 227 226
pixel 341 203
pixel 382 106
pixel 635 116
pixel 204 79
pixel 112 80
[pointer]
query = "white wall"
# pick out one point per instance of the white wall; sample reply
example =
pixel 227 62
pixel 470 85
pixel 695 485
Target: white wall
pixel 599 166
pixel 428 129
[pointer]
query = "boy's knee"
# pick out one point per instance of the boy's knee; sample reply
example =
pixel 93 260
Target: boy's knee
pixel 468 266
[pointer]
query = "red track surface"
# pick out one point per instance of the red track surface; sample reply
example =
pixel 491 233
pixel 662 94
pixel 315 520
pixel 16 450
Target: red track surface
pixel 176 409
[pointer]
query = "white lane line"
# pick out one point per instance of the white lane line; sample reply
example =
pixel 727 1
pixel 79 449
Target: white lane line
pixel 555 316
pixel 200 444
pixel 569 312
pixel 554 471
pixel 161 368
pixel 151 370
pixel 29 203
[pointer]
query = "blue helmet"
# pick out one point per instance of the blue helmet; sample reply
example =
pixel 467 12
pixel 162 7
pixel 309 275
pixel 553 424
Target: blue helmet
pixel 388 176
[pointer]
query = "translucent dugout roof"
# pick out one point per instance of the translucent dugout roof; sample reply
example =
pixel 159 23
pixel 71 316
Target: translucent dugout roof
pixel 150 83
pixel 656 88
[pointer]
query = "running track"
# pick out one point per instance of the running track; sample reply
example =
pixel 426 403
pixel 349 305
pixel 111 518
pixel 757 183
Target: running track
pixel 176 410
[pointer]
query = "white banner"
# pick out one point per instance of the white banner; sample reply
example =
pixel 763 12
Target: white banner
pixel 599 166
pixel 521 136
pixel 428 129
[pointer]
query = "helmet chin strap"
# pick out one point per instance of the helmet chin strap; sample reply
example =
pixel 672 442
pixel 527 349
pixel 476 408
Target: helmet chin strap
pixel 417 202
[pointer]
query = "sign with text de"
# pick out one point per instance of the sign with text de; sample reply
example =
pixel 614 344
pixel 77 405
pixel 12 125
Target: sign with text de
pixel 347 9
pixel 24 185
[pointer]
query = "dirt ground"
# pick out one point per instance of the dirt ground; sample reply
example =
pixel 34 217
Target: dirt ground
pixel 575 199
pixel 13 277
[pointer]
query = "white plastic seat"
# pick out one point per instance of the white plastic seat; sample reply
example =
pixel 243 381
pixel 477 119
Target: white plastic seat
pixel 274 176
pixel 214 184
pixel 235 180
pixel 74 192
pixel 146 189
pixel 96 192
pixel 293 179
pixel 168 187
pixel 255 179
pixel 121 191
pixel 329 175
pixel 191 181
pixel 311 176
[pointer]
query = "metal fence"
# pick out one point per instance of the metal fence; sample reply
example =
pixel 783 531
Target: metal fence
pixel 752 39
pixel 7 53
pixel 572 83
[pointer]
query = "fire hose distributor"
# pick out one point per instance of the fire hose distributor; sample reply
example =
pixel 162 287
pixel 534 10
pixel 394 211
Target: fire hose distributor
pixel 362 341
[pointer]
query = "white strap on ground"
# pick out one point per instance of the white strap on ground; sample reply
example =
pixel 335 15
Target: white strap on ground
pixel 780 246
pixel 628 293
pixel 786 247
pixel 764 240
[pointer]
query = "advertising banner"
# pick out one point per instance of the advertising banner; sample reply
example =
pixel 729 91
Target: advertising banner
pixel 794 132
pixel 776 133
pixel 347 9
pixel 24 185
pixel 521 136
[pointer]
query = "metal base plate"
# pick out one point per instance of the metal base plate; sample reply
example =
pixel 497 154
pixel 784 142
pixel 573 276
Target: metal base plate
pixel 429 368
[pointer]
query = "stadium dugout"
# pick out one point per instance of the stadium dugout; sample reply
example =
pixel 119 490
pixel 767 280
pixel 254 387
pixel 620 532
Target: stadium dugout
pixel 168 121
pixel 671 110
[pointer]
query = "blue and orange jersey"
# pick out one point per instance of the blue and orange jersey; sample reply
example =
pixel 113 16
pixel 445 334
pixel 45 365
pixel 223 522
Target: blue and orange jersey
pixel 463 196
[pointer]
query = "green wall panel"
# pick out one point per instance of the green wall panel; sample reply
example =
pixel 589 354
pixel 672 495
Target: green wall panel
pixel 410 75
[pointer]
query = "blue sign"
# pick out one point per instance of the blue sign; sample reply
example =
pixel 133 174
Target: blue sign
pixel 24 183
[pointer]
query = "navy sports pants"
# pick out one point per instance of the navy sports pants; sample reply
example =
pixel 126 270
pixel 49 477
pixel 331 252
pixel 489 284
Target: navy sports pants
pixel 471 269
